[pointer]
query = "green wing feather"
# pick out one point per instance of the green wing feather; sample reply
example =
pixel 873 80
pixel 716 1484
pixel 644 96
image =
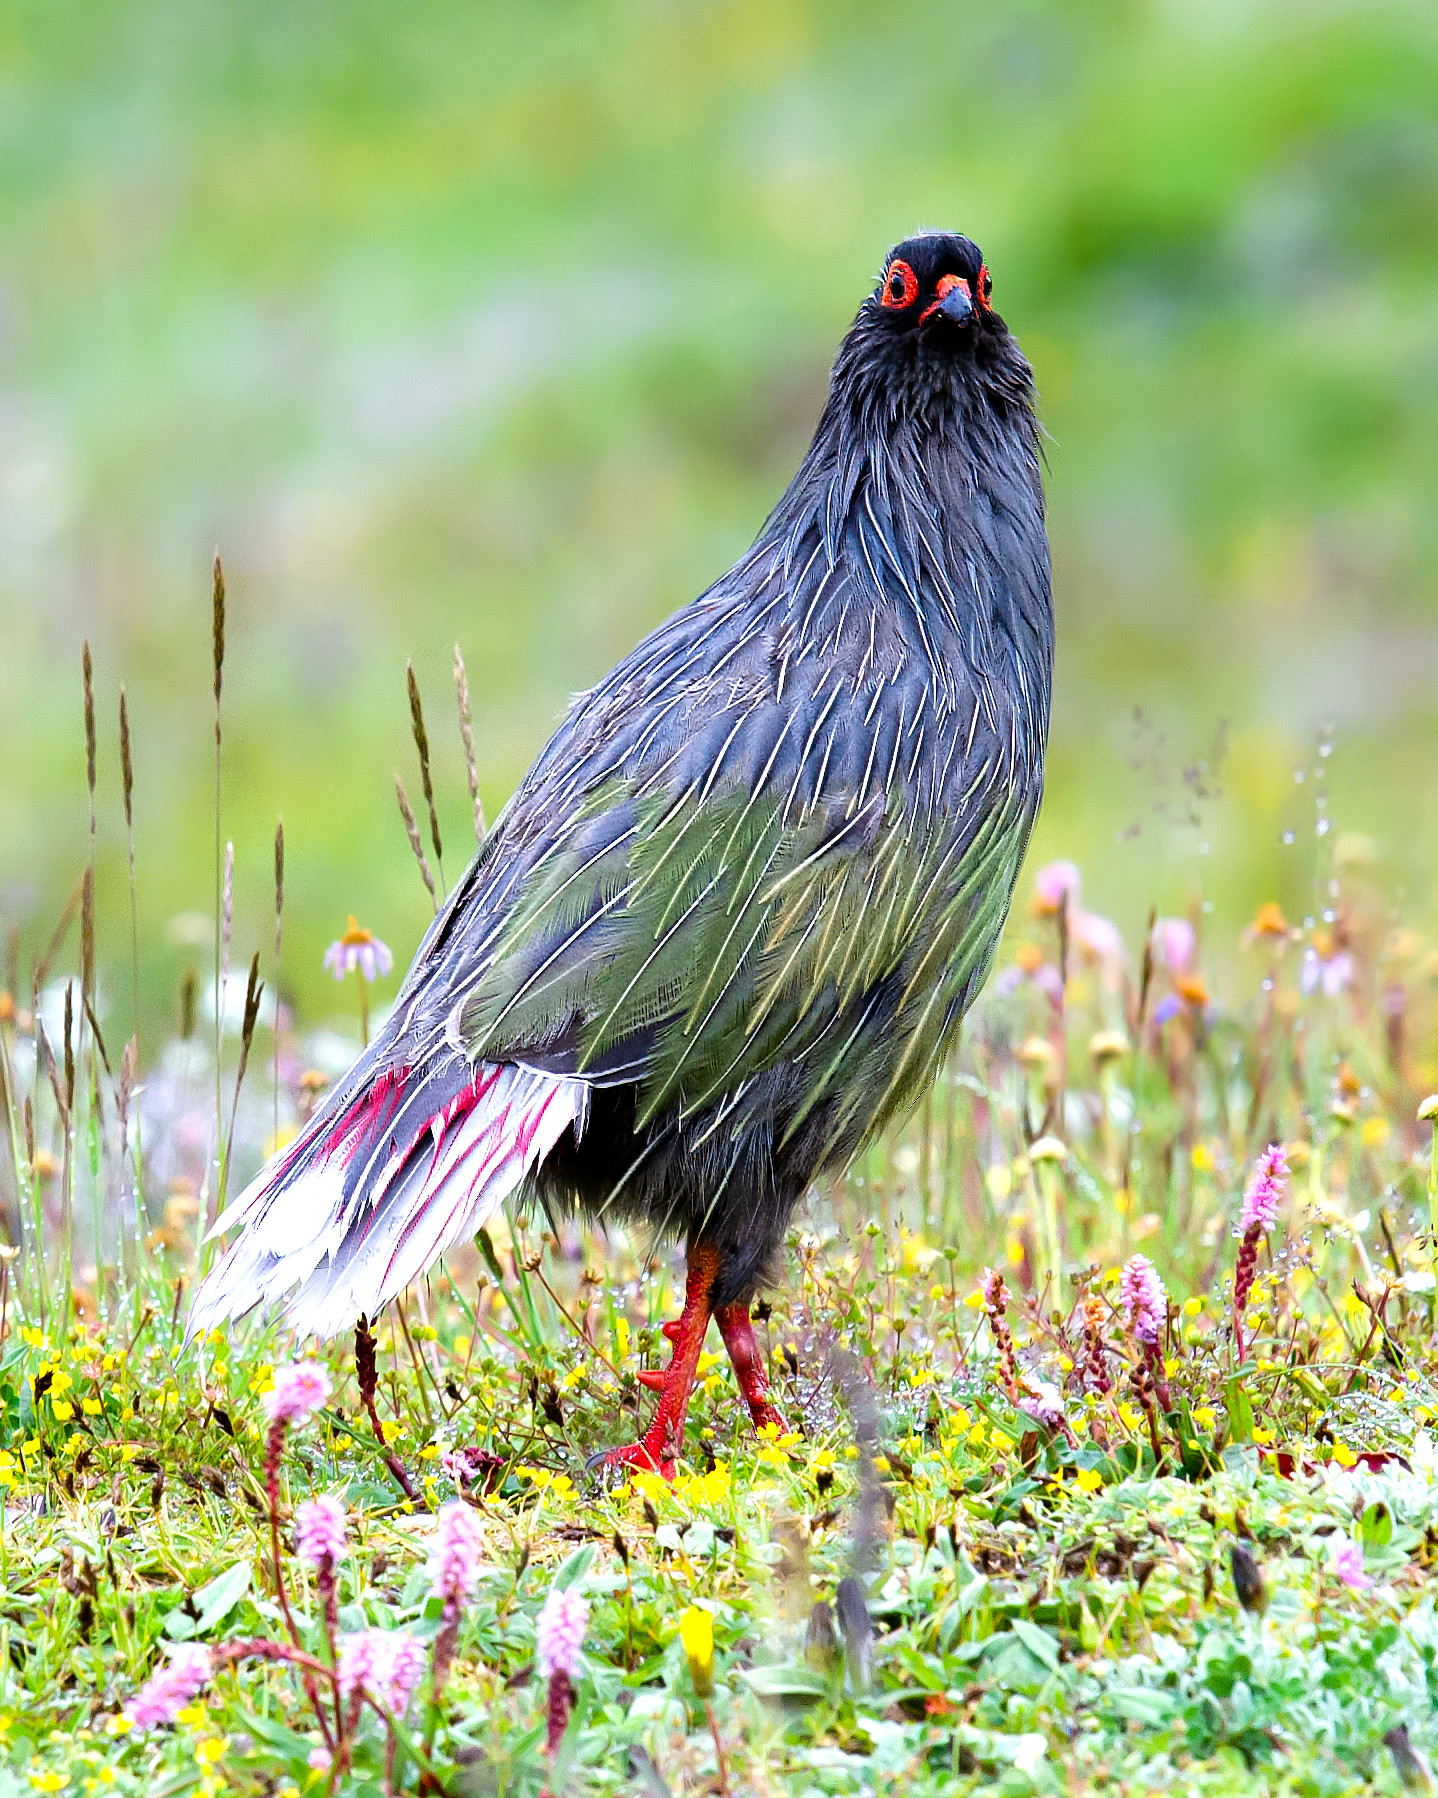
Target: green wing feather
pixel 708 939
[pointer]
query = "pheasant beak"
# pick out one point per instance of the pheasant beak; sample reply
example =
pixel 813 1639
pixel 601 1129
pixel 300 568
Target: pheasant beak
pixel 955 301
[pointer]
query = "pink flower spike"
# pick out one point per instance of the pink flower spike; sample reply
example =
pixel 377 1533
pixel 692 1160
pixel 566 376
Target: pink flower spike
pixel 454 1559
pixel 166 1693
pixel 1044 1403
pixel 1348 1565
pixel 1144 1301
pixel 320 1531
pixel 386 1664
pixel 403 1675
pixel 559 1633
pixel 1265 1191
pixel 298 1392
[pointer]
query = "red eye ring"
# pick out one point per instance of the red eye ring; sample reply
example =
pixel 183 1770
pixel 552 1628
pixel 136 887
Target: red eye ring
pixel 986 284
pixel 901 286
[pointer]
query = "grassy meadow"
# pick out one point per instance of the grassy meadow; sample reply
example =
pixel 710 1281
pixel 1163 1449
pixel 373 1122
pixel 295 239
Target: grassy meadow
pixel 502 328
pixel 1105 1465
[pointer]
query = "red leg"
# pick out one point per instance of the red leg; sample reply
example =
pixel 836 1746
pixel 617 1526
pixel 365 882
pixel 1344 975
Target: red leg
pixel 738 1334
pixel 658 1448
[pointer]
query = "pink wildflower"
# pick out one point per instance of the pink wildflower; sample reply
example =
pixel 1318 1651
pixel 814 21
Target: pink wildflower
pixel 385 1663
pixel 1174 943
pixel 320 1531
pixel 1097 938
pixel 996 1298
pixel 454 1559
pixel 1051 883
pixel 166 1692
pixel 1260 1213
pixel 358 950
pixel 320 1759
pixel 1144 1301
pixel 1333 973
pixel 1265 1190
pixel 1044 1403
pixel 1348 1565
pixel 559 1633
pixel 298 1392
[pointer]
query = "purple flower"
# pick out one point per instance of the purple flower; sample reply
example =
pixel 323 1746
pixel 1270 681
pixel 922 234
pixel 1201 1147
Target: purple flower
pixel 1044 1403
pixel 166 1693
pixel 298 1392
pixel 1144 1301
pixel 1174 943
pixel 1265 1191
pixel 358 950
pixel 454 1559
pixel 1167 1009
pixel 320 1531
pixel 559 1633
pixel 1334 973
pixel 385 1663
pixel 1348 1565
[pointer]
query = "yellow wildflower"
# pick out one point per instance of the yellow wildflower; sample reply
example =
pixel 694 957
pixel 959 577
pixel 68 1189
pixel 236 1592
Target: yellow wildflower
pixel 696 1632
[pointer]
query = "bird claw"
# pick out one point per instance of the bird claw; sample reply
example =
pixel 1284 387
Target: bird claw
pixel 611 1466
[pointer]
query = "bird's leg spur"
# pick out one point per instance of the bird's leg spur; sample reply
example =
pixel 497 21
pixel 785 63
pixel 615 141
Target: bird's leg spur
pixel 738 1334
pixel 657 1450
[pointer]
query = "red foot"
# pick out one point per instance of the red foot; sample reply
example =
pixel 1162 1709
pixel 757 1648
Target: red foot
pixel 657 1451
pixel 738 1334
pixel 636 1455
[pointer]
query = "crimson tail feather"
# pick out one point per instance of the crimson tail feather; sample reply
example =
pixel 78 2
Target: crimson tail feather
pixel 397 1164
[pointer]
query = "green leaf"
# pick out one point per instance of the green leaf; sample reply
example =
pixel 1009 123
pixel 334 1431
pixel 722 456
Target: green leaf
pixel 214 1602
pixel 1140 1705
pixel 1240 1412
pixel 788 1681
pixel 1376 1527
pixel 575 1568
pixel 1038 1641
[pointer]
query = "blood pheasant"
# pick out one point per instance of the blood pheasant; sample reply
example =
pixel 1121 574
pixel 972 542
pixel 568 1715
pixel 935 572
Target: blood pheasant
pixel 726 928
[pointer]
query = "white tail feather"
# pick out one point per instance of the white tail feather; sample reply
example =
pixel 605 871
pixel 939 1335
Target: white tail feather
pixel 338 1255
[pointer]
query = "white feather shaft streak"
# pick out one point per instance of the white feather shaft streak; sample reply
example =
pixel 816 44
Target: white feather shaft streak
pixel 333 1254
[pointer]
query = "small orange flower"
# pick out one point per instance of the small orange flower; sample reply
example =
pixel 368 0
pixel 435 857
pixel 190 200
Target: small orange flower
pixel 1269 925
pixel 1193 989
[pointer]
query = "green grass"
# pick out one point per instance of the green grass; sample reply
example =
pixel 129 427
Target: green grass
pixel 1052 1610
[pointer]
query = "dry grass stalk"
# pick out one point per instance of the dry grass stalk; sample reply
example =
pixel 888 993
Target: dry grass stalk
pixel 254 989
pixel 406 811
pixel 421 743
pixel 127 788
pixel 217 639
pixel 87 931
pixel 466 737
pixel 87 677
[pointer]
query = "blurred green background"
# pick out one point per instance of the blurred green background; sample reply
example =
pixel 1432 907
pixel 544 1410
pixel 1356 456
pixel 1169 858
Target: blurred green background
pixel 505 324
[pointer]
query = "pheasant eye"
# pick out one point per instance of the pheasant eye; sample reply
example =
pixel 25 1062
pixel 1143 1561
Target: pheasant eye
pixel 901 286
